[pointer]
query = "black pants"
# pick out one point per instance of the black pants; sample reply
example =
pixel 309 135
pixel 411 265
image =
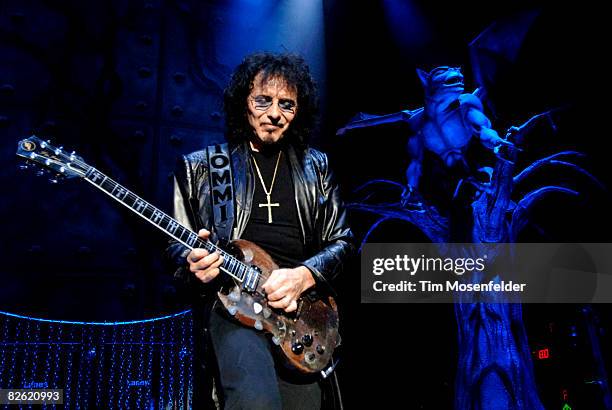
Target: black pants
pixel 250 378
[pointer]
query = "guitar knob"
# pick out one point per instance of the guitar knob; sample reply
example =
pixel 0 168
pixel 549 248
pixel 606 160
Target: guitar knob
pixel 297 348
pixel 307 339
pixel 234 295
pixel 310 357
pixel 320 349
pixel 258 325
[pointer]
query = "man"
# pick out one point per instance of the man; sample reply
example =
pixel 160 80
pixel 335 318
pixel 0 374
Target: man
pixel 287 202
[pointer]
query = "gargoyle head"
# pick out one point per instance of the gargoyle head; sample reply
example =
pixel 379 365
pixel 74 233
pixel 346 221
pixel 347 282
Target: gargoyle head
pixel 442 82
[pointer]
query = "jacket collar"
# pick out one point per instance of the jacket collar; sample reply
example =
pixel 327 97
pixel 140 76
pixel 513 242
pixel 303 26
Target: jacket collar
pixel 244 183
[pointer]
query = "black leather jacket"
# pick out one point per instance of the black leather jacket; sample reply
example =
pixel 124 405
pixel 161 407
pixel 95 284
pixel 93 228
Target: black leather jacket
pixel 320 210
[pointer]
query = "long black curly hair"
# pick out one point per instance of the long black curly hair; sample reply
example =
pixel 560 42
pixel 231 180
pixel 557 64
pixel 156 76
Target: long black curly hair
pixel 290 67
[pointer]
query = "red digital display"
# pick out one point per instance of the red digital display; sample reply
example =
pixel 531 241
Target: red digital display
pixel 543 354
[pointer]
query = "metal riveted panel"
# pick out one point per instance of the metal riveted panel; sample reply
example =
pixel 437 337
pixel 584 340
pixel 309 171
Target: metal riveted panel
pixel 192 82
pixel 136 65
pixel 130 86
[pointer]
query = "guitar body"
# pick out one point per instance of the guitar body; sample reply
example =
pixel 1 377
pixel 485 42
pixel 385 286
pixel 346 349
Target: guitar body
pixel 307 337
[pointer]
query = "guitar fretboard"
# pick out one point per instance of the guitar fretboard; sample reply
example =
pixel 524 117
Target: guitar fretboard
pixel 232 266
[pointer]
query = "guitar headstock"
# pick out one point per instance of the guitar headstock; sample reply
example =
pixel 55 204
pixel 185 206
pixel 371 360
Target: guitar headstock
pixel 55 159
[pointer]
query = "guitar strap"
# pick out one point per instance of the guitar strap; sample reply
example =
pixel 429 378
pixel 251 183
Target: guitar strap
pixel 221 190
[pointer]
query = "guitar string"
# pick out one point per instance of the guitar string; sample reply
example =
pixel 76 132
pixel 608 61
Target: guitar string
pixel 227 258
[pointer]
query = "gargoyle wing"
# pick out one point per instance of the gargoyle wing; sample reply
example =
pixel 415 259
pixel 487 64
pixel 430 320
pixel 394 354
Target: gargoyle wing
pixel 493 54
pixel 363 120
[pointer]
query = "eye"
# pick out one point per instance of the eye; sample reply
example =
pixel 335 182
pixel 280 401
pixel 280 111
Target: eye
pixel 262 99
pixel 287 105
pixel 262 102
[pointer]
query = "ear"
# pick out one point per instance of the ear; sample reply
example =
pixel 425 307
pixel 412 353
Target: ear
pixel 423 76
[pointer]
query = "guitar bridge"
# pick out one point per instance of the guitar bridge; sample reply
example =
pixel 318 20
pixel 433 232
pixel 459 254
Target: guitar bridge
pixel 298 311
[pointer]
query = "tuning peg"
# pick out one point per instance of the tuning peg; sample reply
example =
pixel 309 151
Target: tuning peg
pixel 23 167
pixel 40 173
pixel 54 180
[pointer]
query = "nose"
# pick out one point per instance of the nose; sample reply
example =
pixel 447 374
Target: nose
pixel 274 114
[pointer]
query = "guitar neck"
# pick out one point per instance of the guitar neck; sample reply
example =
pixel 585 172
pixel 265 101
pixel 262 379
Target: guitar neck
pixel 169 225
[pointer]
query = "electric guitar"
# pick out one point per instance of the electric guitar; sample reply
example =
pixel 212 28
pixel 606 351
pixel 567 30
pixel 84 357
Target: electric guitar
pixel 307 337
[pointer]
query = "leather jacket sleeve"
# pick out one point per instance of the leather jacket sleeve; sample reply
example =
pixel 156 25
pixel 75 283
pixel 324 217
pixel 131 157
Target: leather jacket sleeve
pixel 336 240
pixel 184 213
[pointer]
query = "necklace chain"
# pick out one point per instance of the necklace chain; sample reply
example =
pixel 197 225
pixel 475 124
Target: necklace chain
pixel 268 193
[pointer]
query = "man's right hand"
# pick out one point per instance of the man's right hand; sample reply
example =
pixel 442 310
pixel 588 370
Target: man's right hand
pixel 203 264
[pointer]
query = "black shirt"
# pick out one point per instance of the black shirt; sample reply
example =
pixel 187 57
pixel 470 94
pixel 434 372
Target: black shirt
pixel 282 238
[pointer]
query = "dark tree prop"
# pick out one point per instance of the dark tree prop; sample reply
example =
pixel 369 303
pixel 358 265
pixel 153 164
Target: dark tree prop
pixel 494 368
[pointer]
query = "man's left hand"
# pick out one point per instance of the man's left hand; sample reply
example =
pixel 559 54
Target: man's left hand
pixel 284 287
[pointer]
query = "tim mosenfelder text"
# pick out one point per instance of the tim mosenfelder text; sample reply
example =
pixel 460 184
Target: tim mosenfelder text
pixel 448 286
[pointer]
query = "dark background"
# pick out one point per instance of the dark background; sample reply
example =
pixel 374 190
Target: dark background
pixel 131 85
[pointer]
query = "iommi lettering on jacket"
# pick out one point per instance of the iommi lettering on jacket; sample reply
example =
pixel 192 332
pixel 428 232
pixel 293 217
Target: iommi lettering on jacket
pixel 221 183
